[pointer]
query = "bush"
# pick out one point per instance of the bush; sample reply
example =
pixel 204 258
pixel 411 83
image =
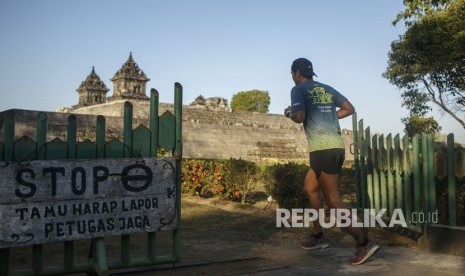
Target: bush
pixel 232 179
pixel 241 178
pixel 285 183
pixel 203 178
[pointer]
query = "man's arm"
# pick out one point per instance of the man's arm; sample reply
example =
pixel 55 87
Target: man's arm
pixel 297 117
pixel 347 109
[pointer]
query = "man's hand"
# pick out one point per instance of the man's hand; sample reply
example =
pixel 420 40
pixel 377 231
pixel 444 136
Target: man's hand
pixel 287 112
pixel 346 109
pixel 297 117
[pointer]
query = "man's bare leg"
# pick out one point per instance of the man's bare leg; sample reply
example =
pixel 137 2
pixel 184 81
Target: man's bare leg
pixel 329 185
pixel 312 188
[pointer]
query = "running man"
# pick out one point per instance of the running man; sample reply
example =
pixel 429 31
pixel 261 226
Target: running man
pixel 319 107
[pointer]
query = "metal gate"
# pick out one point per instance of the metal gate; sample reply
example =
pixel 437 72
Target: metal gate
pixel 138 145
pixel 416 174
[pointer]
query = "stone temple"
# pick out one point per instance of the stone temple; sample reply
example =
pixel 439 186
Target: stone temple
pixel 210 129
pixel 129 83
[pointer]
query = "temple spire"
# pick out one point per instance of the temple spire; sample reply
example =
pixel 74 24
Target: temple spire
pixel 92 90
pixel 130 81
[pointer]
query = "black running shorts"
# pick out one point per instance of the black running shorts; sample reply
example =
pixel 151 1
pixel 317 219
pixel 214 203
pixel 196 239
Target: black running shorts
pixel 329 161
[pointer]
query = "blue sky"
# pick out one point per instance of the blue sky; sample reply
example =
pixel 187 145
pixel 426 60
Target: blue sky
pixel 213 48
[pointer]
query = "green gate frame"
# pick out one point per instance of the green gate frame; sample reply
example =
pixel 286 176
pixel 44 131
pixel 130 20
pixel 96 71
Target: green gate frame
pixel 389 176
pixel 164 131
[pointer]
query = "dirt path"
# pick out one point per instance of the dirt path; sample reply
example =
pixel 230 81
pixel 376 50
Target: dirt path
pixel 224 238
pixel 221 238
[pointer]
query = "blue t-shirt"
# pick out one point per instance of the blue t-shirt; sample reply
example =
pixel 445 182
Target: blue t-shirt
pixel 319 101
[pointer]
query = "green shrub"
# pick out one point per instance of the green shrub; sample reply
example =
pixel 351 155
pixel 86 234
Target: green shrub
pixel 285 183
pixel 241 179
pixel 232 179
pixel 203 178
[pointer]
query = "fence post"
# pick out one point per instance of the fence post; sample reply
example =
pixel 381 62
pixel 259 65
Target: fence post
pixel 153 122
pixel 41 138
pixel 431 177
pixel 416 173
pixel 390 179
pixel 68 250
pixel 451 180
pixel 153 125
pixel 356 161
pixel 374 158
pixel 382 175
pixel 178 155
pixel 407 173
pixel 100 253
pixel 9 138
pixel 363 169
pixel 425 159
pixel 399 193
pixel 127 141
pixel 369 167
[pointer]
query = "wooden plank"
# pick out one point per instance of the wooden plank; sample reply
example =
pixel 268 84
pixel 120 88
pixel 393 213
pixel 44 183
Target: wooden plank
pixel 86 150
pixel 382 174
pixel 1 151
pixel 50 200
pixel 114 149
pixel 451 181
pixel 153 121
pixel 369 168
pixel 416 174
pixel 356 144
pixel 406 156
pixel 141 141
pixel 425 160
pixel 363 167
pixel 398 178
pixel 56 149
pixel 167 133
pixel 24 149
pixel 390 178
pixel 374 159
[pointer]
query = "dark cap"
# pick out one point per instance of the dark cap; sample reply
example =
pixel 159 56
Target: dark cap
pixel 304 66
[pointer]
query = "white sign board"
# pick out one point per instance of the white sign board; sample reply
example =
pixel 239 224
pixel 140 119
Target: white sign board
pixel 60 200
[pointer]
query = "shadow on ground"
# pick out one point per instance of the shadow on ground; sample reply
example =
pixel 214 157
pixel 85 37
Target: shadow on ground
pixel 231 239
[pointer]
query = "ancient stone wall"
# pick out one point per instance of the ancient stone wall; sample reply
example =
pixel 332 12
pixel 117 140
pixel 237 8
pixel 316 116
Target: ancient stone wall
pixel 206 133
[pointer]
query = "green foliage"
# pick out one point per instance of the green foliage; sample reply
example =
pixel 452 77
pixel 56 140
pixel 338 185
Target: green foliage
pixel 416 9
pixel 203 178
pixel 237 180
pixel 241 178
pixel 253 100
pixel 416 102
pixel 232 179
pixel 428 61
pixel 419 125
pixel 285 183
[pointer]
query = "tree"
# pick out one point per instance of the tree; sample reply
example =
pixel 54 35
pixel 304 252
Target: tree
pixel 253 100
pixel 428 61
pixel 417 123
pixel 416 9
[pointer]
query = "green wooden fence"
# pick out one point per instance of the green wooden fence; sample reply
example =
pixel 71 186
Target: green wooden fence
pixel 417 175
pixel 164 132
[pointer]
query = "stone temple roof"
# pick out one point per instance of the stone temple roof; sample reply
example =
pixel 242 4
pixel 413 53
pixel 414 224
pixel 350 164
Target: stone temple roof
pixel 93 82
pixel 131 70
